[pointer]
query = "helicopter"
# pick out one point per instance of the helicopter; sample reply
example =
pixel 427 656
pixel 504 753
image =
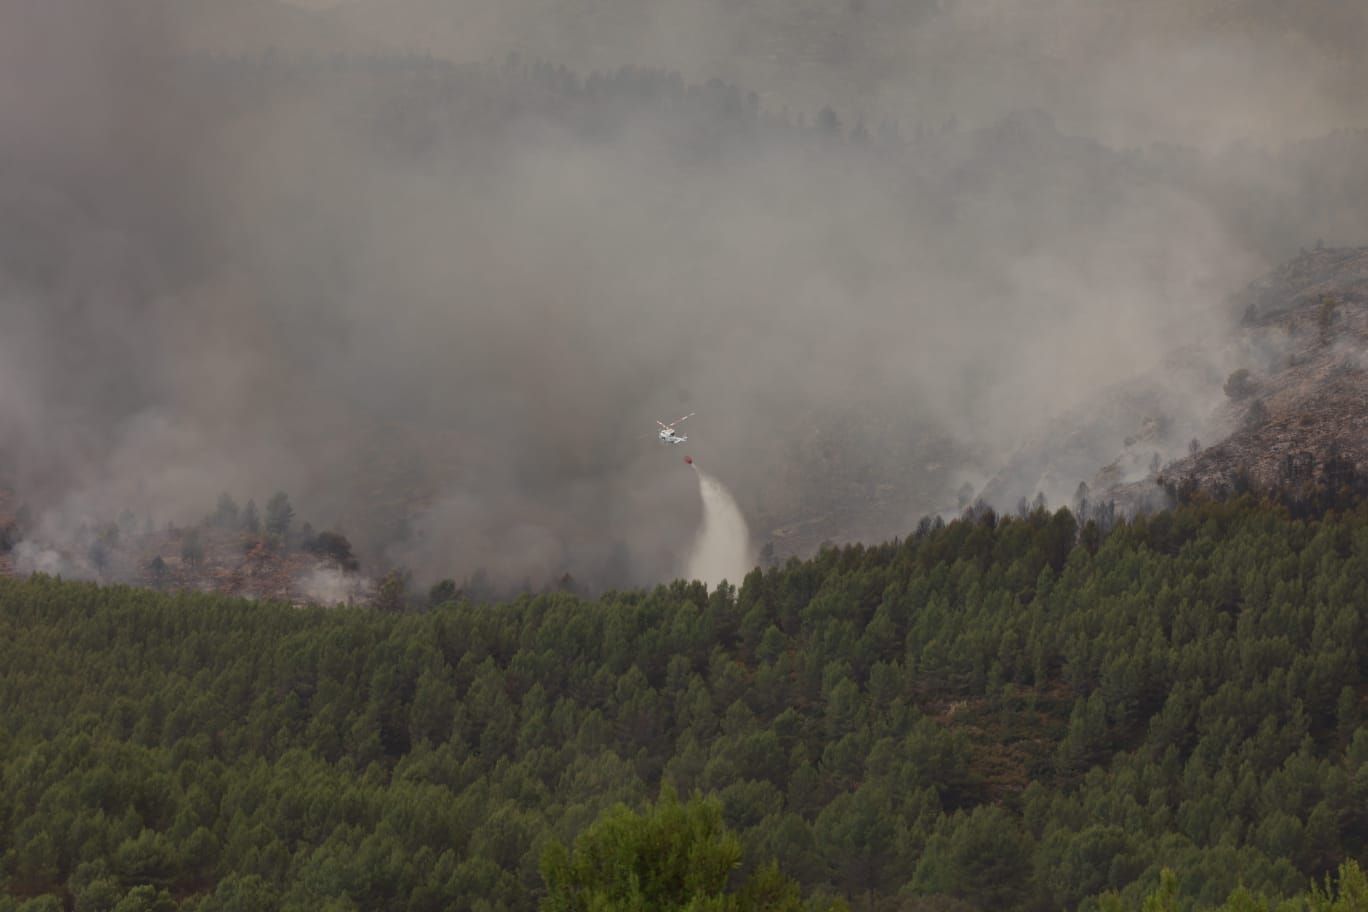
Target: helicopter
pixel 667 431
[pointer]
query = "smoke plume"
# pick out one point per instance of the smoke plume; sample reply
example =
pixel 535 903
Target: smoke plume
pixel 436 269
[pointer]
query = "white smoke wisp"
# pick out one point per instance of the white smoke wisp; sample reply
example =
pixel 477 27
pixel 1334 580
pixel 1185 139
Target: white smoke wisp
pixel 329 587
pixel 31 557
pixel 722 550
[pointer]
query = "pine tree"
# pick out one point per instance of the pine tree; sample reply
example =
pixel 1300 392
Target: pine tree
pixel 251 521
pixel 279 514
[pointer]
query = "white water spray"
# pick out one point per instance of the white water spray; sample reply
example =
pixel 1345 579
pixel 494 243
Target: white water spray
pixel 722 550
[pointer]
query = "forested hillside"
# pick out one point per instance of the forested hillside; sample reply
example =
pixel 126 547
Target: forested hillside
pixel 1006 712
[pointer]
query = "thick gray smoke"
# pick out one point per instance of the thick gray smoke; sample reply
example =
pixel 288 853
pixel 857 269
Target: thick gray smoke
pixel 442 300
pixel 722 550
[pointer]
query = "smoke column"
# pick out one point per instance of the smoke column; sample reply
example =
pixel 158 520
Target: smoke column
pixel 722 550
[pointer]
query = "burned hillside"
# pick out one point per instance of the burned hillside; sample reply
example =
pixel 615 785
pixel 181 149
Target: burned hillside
pixel 1302 420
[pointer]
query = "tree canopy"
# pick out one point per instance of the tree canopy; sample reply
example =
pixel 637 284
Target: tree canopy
pixel 1004 713
pixel 673 857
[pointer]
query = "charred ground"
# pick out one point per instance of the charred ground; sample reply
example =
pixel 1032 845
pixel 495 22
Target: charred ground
pixel 1302 421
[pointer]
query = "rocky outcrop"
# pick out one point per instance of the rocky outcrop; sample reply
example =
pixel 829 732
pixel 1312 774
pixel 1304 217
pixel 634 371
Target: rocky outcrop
pixel 1305 412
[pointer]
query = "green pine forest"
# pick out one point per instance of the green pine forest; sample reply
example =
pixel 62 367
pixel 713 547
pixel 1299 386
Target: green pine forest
pixel 998 713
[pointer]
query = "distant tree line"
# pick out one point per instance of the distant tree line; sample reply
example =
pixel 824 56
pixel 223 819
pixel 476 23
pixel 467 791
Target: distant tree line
pixel 1307 485
pixel 424 108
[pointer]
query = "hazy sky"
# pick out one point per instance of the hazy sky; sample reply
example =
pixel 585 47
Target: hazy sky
pixel 444 308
